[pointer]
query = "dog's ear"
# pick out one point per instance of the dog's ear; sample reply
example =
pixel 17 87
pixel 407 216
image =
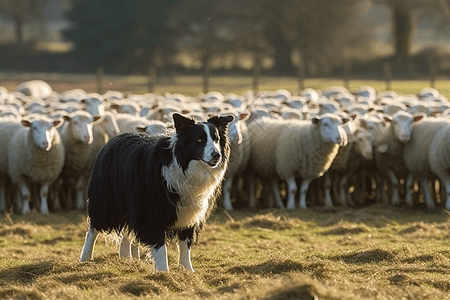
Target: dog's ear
pixel 182 122
pixel 221 121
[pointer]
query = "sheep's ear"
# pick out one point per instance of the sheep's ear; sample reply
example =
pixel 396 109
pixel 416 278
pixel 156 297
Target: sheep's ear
pixel 387 118
pixel 83 101
pixel 221 121
pixel 315 120
pixel 58 123
pixel 345 120
pixel 141 128
pixel 419 117
pixel 26 123
pixel 114 106
pixel 98 119
pixel 354 116
pixel 67 117
pixel 244 116
pixel 182 122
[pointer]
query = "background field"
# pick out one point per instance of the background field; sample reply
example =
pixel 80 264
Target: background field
pixel 376 252
pixel 192 85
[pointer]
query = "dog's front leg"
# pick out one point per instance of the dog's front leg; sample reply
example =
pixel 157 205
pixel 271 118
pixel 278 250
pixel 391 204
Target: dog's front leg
pixel 160 258
pixel 184 245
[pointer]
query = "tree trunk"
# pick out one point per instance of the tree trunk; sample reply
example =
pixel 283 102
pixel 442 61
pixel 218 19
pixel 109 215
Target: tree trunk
pixel 403 29
pixel 19 31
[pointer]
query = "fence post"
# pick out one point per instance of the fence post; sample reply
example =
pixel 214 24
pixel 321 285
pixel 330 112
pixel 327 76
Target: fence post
pixel 151 83
pixel 347 71
pixel 206 76
pixel 301 76
pixel 388 75
pixel 433 71
pixel 100 75
pixel 256 73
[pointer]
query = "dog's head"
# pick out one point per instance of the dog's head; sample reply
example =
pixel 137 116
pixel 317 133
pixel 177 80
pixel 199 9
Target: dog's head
pixel 203 141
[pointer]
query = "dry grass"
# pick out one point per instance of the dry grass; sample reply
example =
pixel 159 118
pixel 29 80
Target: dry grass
pixel 377 252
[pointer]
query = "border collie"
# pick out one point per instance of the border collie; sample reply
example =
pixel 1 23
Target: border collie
pixel 157 187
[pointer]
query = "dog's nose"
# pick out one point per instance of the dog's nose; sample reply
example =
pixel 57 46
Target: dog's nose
pixel 215 156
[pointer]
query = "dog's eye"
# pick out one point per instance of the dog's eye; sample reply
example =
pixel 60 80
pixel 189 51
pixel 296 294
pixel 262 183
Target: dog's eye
pixel 199 140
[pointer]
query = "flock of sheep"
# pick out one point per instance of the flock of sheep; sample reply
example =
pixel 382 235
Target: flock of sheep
pixel 330 147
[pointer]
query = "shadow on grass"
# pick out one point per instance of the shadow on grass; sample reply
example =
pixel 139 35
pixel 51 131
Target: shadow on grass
pixel 26 274
pixel 269 267
pixel 365 257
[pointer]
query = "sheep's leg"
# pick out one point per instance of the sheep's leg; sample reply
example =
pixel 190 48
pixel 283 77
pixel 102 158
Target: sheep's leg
pixel 184 246
pixel 408 190
pixel 426 193
pixel 251 190
pixel 395 198
pixel 344 196
pixel 327 186
pixel 444 178
pixel 292 190
pixel 56 199
pixel 43 193
pixel 79 188
pixel 88 248
pixel 2 194
pixel 276 192
pixel 125 247
pixel 303 191
pixel 227 193
pixel 25 195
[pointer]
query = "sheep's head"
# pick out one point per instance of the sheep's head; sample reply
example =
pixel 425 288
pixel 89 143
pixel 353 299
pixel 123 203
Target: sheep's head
pixel 81 124
pixel 331 130
pixel 403 123
pixel 43 132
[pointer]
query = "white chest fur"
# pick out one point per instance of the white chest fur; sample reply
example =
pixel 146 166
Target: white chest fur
pixel 196 187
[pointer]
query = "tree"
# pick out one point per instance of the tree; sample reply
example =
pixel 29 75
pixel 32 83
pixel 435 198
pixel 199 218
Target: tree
pixel 120 34
pixel 21 12
pixel 404 18
pixel 270 28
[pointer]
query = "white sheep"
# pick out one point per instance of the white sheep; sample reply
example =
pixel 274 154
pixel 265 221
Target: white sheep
pixel 8 127
pixel 130 123
pixel 77 136
pixel 124 106
pixel 389 150
pixel 419 152
pixel 36 156
pixel 291 148
pixel 35 88
pixel 346 163
pixel 239 155
pixel 94 104
pixel 439 160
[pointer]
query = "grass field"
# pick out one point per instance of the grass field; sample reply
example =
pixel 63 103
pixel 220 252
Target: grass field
pixel 378 252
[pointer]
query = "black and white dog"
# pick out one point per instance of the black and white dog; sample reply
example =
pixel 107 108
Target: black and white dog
pixel 158 186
